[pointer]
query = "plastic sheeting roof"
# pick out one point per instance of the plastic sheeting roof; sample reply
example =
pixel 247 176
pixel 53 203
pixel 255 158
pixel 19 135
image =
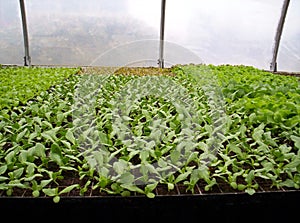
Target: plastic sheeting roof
pixel 127 32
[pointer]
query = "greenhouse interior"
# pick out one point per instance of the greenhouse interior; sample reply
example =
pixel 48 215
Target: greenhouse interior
pixel 139 108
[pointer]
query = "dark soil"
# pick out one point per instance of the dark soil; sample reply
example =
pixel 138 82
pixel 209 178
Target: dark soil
pixel 296 74
pixel 139 71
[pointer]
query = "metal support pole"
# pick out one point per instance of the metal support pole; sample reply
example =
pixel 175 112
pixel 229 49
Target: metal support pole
pixel 162 34
pixel 285 6
pixel 27 59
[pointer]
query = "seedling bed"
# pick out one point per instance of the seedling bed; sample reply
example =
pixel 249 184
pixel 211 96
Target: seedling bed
pixel 230 148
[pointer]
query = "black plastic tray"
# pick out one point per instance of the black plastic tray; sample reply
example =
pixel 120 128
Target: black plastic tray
pixel 227 207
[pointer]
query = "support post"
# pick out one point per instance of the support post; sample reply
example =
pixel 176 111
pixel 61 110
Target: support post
pixel 285 6
pixel 27 59
pixel 162 34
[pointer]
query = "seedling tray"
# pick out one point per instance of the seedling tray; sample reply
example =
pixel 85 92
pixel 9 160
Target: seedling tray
pixel 268 206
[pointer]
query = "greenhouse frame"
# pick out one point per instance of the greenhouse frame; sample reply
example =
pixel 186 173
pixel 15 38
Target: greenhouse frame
pixel 139 109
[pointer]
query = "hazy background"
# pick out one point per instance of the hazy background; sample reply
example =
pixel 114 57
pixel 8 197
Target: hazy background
pixel 126 32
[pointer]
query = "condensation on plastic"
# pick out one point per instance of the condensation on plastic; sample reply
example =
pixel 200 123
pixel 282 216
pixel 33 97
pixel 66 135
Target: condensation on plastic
pixel 226 32
pixel 126 32
pixel 11 37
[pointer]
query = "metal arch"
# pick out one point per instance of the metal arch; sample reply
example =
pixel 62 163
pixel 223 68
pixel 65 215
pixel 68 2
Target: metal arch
pixel 285 6
pixel 27 59
pixel 162 34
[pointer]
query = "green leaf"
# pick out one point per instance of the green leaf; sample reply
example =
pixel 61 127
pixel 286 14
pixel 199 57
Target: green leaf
pixel 287 183
pixel 35 193
pixel 209 186
pixel 3 169
pixel 241 187
pixel 150 195
pixel 257 135
pixel 31 178
pixel 249 177
pixel 175 155
pixel 126 178
pixel 45 182
pixel 293 164
pixel 182 176
pixel 144 154
pixel 23 156
pixel 150 145
pixel 51 134
pixel 21 135
pixel 32 136
pixel 125 193
pixel 2 178
pixel 56 155
pixel 50 191
pixel 69 168
pixel 38 150
pixel 151 187
pixel 60 117
pixel 132 188
pixel 56 199
pixel 38 119
pixel 120 166
pixel 30 168
pixel 296 140
pixel 235 149
pixel 70 137
pixel 66 143
pixel 250 191
pixel 69 188
pixel 17 184
pixel 18 172
pixel 233 185
pixel 170 186
pixel 103 138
